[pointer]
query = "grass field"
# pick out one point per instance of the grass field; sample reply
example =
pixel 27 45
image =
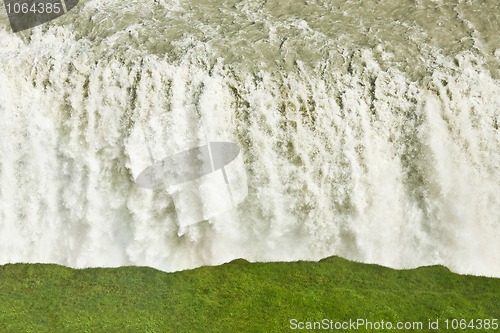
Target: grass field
pixel 244 297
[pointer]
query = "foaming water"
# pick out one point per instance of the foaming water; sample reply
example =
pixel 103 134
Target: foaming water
pixel 373 137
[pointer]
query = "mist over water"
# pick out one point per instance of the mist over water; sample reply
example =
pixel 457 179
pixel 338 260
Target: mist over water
pixel 369 130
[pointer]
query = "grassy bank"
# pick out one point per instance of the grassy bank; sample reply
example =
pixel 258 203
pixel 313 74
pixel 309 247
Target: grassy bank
pixel 240 297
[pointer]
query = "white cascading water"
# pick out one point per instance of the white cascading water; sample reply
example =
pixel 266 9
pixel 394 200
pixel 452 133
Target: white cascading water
pixel 356 154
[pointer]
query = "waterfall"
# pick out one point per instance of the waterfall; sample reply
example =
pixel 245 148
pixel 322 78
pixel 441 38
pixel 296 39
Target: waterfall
pixel 372 139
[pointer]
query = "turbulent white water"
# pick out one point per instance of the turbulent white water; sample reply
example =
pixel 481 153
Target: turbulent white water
pixel 366 133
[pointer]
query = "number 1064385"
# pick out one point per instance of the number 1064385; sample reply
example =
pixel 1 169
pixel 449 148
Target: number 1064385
pixel 34 8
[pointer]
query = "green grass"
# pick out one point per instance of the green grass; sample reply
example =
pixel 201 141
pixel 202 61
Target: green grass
pixel 237 297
